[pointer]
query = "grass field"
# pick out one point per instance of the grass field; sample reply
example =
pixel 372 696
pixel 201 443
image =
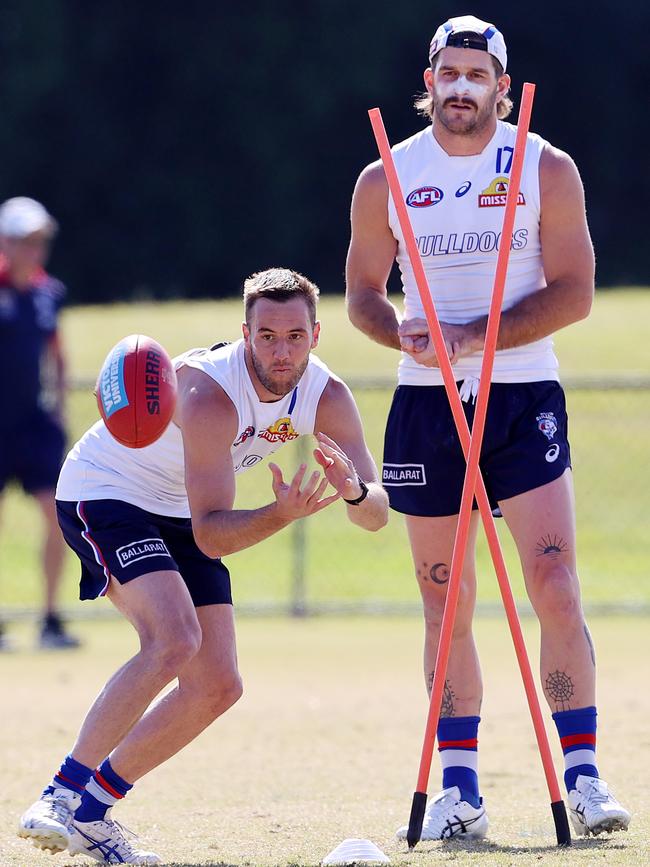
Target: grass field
pixel 325 745
pixel 609 433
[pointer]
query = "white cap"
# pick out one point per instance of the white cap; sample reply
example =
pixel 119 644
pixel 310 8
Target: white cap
pixel 467 31
pixel 22 216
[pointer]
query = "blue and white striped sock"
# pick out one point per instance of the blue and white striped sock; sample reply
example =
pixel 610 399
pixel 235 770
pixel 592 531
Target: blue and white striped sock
pixel 105 788
pixel 458 747
pixel 72 775
pixel 577 731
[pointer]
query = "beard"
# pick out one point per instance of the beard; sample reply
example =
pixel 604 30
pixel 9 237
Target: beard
pixel 278 384
pixel 469 125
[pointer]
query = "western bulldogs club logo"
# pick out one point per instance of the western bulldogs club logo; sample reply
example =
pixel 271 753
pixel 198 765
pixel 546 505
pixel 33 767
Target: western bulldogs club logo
pixel 547 424
pixel 424 197
pixel 244 435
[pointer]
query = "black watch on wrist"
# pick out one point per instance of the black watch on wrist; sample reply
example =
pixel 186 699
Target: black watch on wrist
pixel 362 496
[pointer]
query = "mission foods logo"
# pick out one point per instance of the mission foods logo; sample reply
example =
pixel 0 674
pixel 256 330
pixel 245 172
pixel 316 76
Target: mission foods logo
pixel 281 431
pixel 424 197
pixel 495 195
pixel 135 551
pixel 111 382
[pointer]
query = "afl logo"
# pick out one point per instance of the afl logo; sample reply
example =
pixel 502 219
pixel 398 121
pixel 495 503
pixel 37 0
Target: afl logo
pixel 464 188
pixel 424 197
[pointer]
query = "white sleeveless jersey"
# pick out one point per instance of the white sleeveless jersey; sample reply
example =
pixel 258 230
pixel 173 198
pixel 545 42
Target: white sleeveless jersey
pixel 456 206
pixel 153 478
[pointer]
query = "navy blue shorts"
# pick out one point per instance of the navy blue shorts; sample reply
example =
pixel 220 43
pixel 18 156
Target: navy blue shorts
pixel 111 537
pixel 525 445
pixel 32 452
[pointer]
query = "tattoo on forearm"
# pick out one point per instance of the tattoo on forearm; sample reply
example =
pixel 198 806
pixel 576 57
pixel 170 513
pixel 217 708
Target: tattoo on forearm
pixel 447 707
pixel 559 688
pixel 551 546
pixel 590 643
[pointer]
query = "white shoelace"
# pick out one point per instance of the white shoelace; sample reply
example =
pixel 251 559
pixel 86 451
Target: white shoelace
pixel 598 797
pixel 59 808
pixel 121 832
pixel 469 389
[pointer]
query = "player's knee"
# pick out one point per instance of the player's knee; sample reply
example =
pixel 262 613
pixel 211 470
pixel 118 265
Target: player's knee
pixel 172 652
pixel 555 592
pixel 222 694
pixel 434 606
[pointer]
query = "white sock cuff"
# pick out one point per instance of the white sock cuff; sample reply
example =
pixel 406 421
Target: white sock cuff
pixel 459 759
pixel 579 757
pixel 93 788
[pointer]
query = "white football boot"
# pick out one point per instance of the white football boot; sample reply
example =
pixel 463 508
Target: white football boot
pixel 447 816
pixel 107 841
pixel 593 808
pixel 47 822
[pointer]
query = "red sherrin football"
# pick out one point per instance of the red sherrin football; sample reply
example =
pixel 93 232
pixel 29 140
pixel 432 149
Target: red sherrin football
pixel 136 391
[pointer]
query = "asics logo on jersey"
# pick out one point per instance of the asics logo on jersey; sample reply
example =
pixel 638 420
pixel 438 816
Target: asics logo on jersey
pixel 464 188
pixel 424 197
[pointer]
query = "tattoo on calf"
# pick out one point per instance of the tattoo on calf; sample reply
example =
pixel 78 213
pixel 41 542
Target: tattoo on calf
pixel 559 688
pixel 447 707
pixel 591 644
pixel 551 546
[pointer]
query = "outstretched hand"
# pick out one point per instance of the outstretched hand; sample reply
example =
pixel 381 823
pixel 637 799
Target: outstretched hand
pixel 294 502
pixel 338 468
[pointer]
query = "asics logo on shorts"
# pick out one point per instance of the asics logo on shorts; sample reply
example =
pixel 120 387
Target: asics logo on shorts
pixel 135 551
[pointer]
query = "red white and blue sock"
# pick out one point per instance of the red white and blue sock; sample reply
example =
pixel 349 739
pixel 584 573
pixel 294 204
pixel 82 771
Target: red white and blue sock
pixel 458 748
pixel 72 775
pixel 104 789
pixel 577 731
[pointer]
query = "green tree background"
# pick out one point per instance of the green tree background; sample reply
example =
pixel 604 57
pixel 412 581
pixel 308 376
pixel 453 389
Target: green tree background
pixel 183 146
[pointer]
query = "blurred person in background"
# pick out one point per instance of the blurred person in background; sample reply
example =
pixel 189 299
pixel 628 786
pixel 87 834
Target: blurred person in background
pixel 32 370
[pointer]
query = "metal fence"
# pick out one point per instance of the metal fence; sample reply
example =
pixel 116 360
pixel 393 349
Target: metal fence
pixel 609 427
pixel 326 565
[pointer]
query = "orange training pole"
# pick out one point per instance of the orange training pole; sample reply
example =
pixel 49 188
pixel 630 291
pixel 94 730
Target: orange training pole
pixel 419 804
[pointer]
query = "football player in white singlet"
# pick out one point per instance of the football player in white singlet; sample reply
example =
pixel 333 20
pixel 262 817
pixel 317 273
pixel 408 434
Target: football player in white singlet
pixel 454 175
pixel 150 526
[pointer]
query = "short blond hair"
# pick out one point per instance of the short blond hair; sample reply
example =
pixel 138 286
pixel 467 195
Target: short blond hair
pixel 280 284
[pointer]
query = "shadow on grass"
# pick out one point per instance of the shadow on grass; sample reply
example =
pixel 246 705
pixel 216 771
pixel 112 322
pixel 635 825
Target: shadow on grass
pixel 479 847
